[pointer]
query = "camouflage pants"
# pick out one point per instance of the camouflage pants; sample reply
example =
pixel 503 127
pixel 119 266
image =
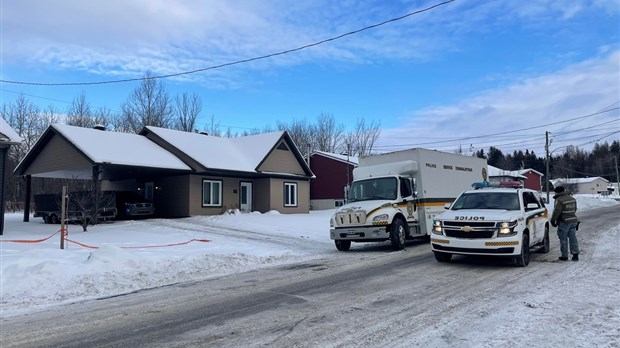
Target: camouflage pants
pixel 567 233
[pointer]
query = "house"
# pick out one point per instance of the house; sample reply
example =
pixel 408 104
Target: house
pixel 8 137
pixel 183 173
pixel 593 185
pixel 333 173
pixel 530 178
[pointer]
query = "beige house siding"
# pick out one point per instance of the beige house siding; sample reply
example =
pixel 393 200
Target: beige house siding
pixel 58 155
pixel 592 187
pixel 277 196
pixel 230 195
pixel 262 195
pixel 281 161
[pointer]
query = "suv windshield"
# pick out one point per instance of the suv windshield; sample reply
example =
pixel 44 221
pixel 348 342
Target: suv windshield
pixel 373 189
pixel 487 200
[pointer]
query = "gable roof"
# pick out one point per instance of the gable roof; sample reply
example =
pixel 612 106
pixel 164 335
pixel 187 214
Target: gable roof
pixel 8 135
pixel 105 147
pixel 353 160
pixel 528 170
pixel 241 154
pixel 494 171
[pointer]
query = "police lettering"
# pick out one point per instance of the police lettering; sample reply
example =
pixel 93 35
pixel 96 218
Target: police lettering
pixel 469 218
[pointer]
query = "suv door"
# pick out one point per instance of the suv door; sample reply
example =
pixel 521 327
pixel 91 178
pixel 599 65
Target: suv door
pixel 535 223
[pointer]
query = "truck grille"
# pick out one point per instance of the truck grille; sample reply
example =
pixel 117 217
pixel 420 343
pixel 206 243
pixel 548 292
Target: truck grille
pixel 469 229
pixel 351 218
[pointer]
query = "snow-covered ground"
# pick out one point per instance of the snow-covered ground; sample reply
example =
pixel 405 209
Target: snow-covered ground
pixel 135 255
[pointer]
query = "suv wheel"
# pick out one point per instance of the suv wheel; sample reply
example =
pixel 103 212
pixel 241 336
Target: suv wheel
pixel 524 258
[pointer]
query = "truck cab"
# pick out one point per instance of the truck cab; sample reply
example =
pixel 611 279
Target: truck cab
pixel 378 209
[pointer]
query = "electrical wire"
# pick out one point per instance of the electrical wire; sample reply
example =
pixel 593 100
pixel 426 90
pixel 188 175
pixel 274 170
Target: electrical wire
pixel 271 55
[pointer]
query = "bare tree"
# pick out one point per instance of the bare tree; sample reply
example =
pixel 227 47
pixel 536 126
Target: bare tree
pixel 301 132
pixel 213 128
pixel 362 139
pixel 79 112
pixel 50 115
pixel 327 134
pixel 148 105
pixel 103 116
pixel 187 108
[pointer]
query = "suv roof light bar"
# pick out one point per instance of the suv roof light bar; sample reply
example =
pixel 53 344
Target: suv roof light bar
pixel 486 184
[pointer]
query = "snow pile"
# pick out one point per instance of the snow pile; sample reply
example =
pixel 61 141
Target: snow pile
pixel 131 254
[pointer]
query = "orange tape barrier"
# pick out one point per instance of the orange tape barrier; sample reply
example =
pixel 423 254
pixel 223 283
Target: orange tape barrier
pixel 140 247
pixel 95 247
pixel 28 240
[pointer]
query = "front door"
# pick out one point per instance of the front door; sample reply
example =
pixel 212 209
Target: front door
pixel 245 197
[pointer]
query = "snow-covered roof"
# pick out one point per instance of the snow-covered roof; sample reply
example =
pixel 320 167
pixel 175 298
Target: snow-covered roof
pixel 237 154
pixel 343 158
pixel 525 171
pixel 494 171
pixel 119 148
pixel 8 134
pixel 577 180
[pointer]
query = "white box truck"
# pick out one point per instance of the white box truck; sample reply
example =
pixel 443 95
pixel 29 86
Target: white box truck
pixel 395 196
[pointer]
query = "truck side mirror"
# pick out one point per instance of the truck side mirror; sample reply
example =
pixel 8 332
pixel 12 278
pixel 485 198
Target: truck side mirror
pixel 447 206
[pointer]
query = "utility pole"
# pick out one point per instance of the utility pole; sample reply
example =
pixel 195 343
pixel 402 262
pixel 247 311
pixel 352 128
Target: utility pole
pixel 617 176
pixel 547 164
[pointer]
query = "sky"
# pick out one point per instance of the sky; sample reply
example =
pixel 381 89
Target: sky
pixel 40 276
pixel 463 75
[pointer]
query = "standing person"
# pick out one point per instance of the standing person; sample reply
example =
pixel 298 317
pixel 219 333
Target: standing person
pixel 565 219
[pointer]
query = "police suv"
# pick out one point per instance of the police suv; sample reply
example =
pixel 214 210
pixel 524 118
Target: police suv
pixel 500 219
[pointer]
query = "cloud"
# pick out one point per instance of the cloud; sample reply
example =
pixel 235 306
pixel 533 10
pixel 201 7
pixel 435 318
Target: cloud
pixel 576 90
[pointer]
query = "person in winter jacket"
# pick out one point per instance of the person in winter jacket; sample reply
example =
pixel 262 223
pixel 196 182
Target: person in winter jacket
pixel 564 217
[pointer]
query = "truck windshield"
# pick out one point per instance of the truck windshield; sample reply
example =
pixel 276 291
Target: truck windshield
pixel 373 189
pixel 487 200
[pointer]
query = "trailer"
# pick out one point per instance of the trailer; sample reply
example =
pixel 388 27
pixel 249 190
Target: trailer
pixel 395 196
pixel 80 206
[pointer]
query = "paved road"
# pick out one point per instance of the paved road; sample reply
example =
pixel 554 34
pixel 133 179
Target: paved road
pixel 367 297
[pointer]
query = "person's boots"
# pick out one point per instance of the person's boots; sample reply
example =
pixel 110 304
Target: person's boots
pixel 575 257
pixel 563 258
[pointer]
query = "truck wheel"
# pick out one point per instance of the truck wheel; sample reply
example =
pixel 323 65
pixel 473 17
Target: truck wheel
pixel 545 243
pixel 524 258
pixel 343 245
pixel 54 219
pixel 442 257
pixel 398 235
pixel 46 219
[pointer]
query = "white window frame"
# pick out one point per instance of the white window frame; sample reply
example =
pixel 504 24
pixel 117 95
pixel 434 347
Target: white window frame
pixel 214 193
pixel 290 194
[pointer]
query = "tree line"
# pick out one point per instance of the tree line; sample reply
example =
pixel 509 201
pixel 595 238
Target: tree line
pixel 573 162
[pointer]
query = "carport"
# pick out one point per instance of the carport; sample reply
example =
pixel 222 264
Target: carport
pixel 68 152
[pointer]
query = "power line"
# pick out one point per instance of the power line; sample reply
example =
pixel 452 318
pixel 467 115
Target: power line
pixel 516 130
pixel 238 61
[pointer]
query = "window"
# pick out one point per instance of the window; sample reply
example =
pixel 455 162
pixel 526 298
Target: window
pixel 211 193
pixel 290 194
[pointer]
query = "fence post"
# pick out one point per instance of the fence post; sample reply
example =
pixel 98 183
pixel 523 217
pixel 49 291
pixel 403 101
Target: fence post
pixel 63 211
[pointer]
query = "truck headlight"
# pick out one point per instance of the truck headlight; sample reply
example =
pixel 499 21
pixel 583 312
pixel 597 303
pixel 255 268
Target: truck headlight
pixel 507 229
pixel 332 223
pixel 437 229
pixel 381 217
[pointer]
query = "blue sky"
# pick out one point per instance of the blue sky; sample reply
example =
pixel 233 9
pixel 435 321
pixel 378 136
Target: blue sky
pixel 447 78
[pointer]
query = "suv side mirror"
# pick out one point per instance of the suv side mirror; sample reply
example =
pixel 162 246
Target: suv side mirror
pixel 531 206
pixel 447 206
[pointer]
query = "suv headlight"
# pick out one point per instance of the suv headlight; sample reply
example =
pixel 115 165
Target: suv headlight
pixel 437 229
pixel 507 229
